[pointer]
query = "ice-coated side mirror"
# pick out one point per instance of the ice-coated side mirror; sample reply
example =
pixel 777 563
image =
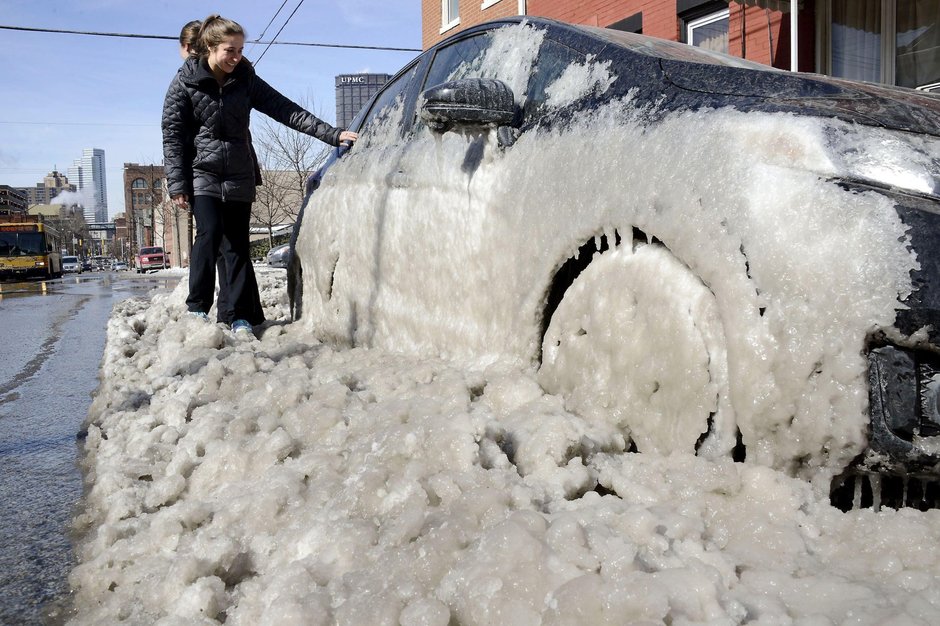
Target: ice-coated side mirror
pixel 468 102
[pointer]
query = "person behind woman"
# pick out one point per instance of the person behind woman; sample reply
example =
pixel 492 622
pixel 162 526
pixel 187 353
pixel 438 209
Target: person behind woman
pixel 207 106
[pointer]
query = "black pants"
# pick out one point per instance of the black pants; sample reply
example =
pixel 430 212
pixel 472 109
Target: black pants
pixel 215 221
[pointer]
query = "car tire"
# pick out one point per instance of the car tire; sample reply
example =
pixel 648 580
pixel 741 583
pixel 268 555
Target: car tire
pixel 637 340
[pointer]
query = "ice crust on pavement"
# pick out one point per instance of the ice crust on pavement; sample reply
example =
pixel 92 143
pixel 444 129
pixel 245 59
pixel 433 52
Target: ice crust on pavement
pixel 284 481
pixel 394 458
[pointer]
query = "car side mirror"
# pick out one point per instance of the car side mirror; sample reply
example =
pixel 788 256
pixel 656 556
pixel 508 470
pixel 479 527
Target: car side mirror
pixel 468 102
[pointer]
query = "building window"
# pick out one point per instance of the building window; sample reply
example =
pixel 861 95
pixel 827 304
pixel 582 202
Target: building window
pixel 709 31
pixel 488 3
pixel 139 183
pixel 896 42
pixel 450 14
pixel 917 45
pixel 632 24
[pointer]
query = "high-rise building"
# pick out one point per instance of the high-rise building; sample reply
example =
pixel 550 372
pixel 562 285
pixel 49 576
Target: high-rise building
pixel 88 173
pixel 51 186
pixel 352 93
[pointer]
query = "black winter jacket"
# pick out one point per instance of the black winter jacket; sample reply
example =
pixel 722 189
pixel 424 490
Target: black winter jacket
pixel 200 115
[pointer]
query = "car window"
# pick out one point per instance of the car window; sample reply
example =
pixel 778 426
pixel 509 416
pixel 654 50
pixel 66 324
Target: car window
pixel 554 58
pixel 458 60
pixel 673 50
pixel 390 95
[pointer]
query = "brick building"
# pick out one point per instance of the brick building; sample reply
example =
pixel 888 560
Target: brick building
pixel 896 42
pixel 151 219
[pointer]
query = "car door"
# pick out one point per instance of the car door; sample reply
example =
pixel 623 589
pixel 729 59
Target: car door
pixel 411 226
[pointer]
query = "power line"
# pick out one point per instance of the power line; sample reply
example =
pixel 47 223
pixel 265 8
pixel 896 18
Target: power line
pixel 59 31
pixel 44 123
pixel 261 36
pixel 279 30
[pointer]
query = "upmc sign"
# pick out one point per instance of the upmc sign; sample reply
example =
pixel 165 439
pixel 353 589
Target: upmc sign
pixel 345 80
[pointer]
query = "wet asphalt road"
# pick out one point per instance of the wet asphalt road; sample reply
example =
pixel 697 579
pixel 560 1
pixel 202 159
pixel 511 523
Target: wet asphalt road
pixel 51 341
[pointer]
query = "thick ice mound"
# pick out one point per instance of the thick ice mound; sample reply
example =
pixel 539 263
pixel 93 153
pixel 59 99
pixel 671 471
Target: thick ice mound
pixel 279 481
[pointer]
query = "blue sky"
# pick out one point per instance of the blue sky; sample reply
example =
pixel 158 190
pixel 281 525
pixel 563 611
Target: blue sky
pixel 63 93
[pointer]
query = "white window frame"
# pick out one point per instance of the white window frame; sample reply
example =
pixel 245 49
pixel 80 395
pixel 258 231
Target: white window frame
pixel 488 3
pixel 447 21
pixel 705 20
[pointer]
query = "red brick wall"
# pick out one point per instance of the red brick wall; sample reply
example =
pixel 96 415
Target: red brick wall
pixel 659 16
pixel 768 37
pixel 767 41
pixel 470 15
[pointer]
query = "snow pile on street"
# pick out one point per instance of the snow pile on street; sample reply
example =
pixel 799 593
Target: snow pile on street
pixel 280 481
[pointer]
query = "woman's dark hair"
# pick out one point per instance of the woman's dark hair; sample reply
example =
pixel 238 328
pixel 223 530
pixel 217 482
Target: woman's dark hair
pixel 189 36
pixel 214 29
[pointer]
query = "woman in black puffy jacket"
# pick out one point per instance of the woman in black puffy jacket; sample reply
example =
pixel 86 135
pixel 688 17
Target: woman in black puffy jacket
pixel 207 107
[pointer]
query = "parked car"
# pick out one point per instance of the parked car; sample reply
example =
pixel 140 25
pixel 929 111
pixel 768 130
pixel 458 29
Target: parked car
pixel 150 258
pixel 118 266
pixel 279 256
pixel 696 253
pixel 71 265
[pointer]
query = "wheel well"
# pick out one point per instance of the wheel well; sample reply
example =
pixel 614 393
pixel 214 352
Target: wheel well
pixel 565 276
pixel 572 268
pixel 295 286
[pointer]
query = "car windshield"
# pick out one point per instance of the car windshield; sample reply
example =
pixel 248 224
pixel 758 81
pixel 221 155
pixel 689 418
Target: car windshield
pixel 151 250
pixel 70 259
pixel 672 50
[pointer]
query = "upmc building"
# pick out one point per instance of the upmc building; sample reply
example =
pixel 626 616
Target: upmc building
pixel 352 93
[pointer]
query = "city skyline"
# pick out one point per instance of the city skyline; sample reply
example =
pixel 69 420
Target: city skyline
pixel 112 95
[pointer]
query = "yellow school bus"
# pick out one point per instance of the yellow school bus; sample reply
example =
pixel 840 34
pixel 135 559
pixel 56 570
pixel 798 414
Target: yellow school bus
pixel 29 250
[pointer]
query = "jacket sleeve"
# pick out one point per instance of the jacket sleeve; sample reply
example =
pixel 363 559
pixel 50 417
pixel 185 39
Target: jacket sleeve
pixel 269 101
pixel 178 125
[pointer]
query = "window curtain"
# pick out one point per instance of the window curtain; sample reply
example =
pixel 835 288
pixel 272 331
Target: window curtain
pixel 918 43
pixel 856 39
pixel 710 33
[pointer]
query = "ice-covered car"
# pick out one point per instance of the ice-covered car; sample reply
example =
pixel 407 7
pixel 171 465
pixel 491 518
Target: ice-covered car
pixel 698 253
pixel 279 256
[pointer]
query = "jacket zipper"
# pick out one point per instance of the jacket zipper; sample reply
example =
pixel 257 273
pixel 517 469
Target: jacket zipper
pixel 224 149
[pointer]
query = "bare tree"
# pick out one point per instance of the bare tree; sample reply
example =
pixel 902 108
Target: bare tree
pixel 275 202
pixel 282 149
